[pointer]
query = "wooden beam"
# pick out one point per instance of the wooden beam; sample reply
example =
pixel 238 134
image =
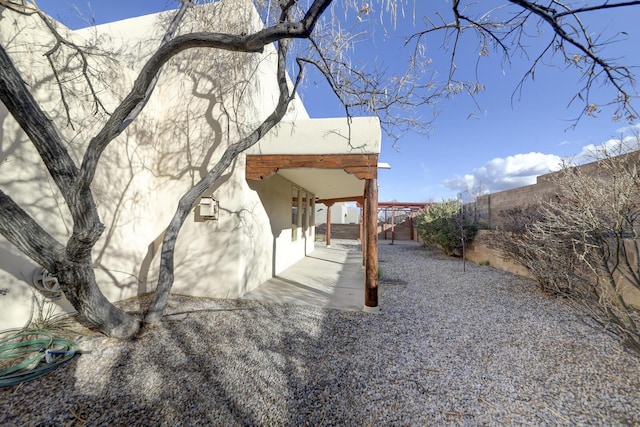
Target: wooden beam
pixel 299 213
pixel 384 226
pixel 364 166
pixel 363 172
pixel 416 206
pixel 411 225
pixel 358 199
pixel 371 268
pixel 362 232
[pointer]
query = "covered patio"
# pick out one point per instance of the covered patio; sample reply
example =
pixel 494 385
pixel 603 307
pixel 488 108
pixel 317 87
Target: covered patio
pixel 335 160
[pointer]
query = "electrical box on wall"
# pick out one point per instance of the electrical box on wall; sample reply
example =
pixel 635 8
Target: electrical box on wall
pixel 208 209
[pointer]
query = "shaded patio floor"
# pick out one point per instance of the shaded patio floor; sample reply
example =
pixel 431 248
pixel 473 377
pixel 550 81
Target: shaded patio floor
pixel 328 277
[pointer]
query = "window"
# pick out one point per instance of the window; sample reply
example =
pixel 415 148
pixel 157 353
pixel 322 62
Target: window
pixel 302 212
pixel 305 213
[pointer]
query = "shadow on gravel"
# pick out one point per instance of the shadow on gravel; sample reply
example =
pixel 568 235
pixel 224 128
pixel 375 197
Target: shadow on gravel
pixel 447 348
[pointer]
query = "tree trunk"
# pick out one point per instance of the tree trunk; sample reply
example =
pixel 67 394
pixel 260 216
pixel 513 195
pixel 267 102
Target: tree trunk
pixel 165 278
pixel 72 264
pixel 78 282
pixel 73 269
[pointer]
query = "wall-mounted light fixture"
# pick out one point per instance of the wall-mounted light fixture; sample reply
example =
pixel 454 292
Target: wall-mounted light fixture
pixel 208 208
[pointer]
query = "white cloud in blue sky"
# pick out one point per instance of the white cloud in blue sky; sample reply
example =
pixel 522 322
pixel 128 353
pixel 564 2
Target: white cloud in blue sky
pixel 519 170
pixel 629 130
pixel 614 146
pixel 504 173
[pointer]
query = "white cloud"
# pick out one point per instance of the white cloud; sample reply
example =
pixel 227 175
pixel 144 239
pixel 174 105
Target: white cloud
pixel 629 130
pixel 522 169
pixel 504 173
pixel 613 146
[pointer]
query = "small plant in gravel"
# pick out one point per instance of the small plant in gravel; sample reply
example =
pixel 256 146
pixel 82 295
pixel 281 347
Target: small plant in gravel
pixel 46 317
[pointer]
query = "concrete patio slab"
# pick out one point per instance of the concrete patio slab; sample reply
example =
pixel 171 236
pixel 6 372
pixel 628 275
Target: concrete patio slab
pixel 328 277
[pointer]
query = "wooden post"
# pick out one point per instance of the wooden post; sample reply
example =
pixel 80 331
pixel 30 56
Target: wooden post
pixel 371 268
pixel 362 226
pixel 299 211
pixel 327 237
pixel 365 228
pixel 411 224
pixel 393 224
pixel 384 226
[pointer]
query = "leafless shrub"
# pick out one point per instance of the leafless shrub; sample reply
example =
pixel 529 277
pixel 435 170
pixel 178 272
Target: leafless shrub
pixel 583 243
pixel 549 259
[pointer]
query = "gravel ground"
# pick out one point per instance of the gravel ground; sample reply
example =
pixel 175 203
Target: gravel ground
pixel 480 347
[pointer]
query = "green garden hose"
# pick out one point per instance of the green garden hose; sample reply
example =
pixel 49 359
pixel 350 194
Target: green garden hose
pixel 30 354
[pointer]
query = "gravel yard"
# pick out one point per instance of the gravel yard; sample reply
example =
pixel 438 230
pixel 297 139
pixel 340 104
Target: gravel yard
pixel 480 347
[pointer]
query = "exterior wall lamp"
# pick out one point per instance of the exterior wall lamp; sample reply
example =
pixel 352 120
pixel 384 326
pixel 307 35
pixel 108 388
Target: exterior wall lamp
pixel 208 209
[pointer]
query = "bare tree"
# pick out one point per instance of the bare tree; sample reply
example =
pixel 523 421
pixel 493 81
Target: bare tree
pixel 583 243
pixel 600 218
pixel 72 263
pixel 303 40
pixel 565 30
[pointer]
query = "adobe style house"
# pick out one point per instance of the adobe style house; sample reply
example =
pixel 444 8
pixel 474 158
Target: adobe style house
pixel 204 101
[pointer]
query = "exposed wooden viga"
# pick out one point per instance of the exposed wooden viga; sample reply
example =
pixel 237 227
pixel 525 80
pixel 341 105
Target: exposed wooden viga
pixel 363 166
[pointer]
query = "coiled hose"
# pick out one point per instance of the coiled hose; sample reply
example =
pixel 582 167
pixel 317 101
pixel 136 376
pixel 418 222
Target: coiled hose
pixel 30 354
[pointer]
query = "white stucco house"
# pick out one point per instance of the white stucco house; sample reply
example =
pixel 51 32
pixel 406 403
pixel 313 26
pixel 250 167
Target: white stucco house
pixel 204 101
pixel 341 213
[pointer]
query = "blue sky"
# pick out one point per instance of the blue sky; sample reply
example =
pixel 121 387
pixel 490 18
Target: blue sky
pixel 504 143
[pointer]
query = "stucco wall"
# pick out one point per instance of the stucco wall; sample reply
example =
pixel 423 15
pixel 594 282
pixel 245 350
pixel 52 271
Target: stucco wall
pixel 487 207
pixel 203 102
pixel 341 213
pixel 480 252
pixel 339 231
pixel 275 193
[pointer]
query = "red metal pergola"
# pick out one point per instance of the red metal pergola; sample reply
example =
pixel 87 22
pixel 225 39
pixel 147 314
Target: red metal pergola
pixel 409 208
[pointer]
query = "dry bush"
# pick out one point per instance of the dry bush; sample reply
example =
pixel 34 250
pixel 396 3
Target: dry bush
pixel 583 243
pixel 550 260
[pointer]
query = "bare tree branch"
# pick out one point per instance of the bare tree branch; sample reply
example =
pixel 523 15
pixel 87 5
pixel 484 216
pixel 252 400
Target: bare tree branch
pixel 605 5
pixel 165 279
pixel 27 235
pixel 507 35
pixel 236 43
pixel 72 264
pixel 615 75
